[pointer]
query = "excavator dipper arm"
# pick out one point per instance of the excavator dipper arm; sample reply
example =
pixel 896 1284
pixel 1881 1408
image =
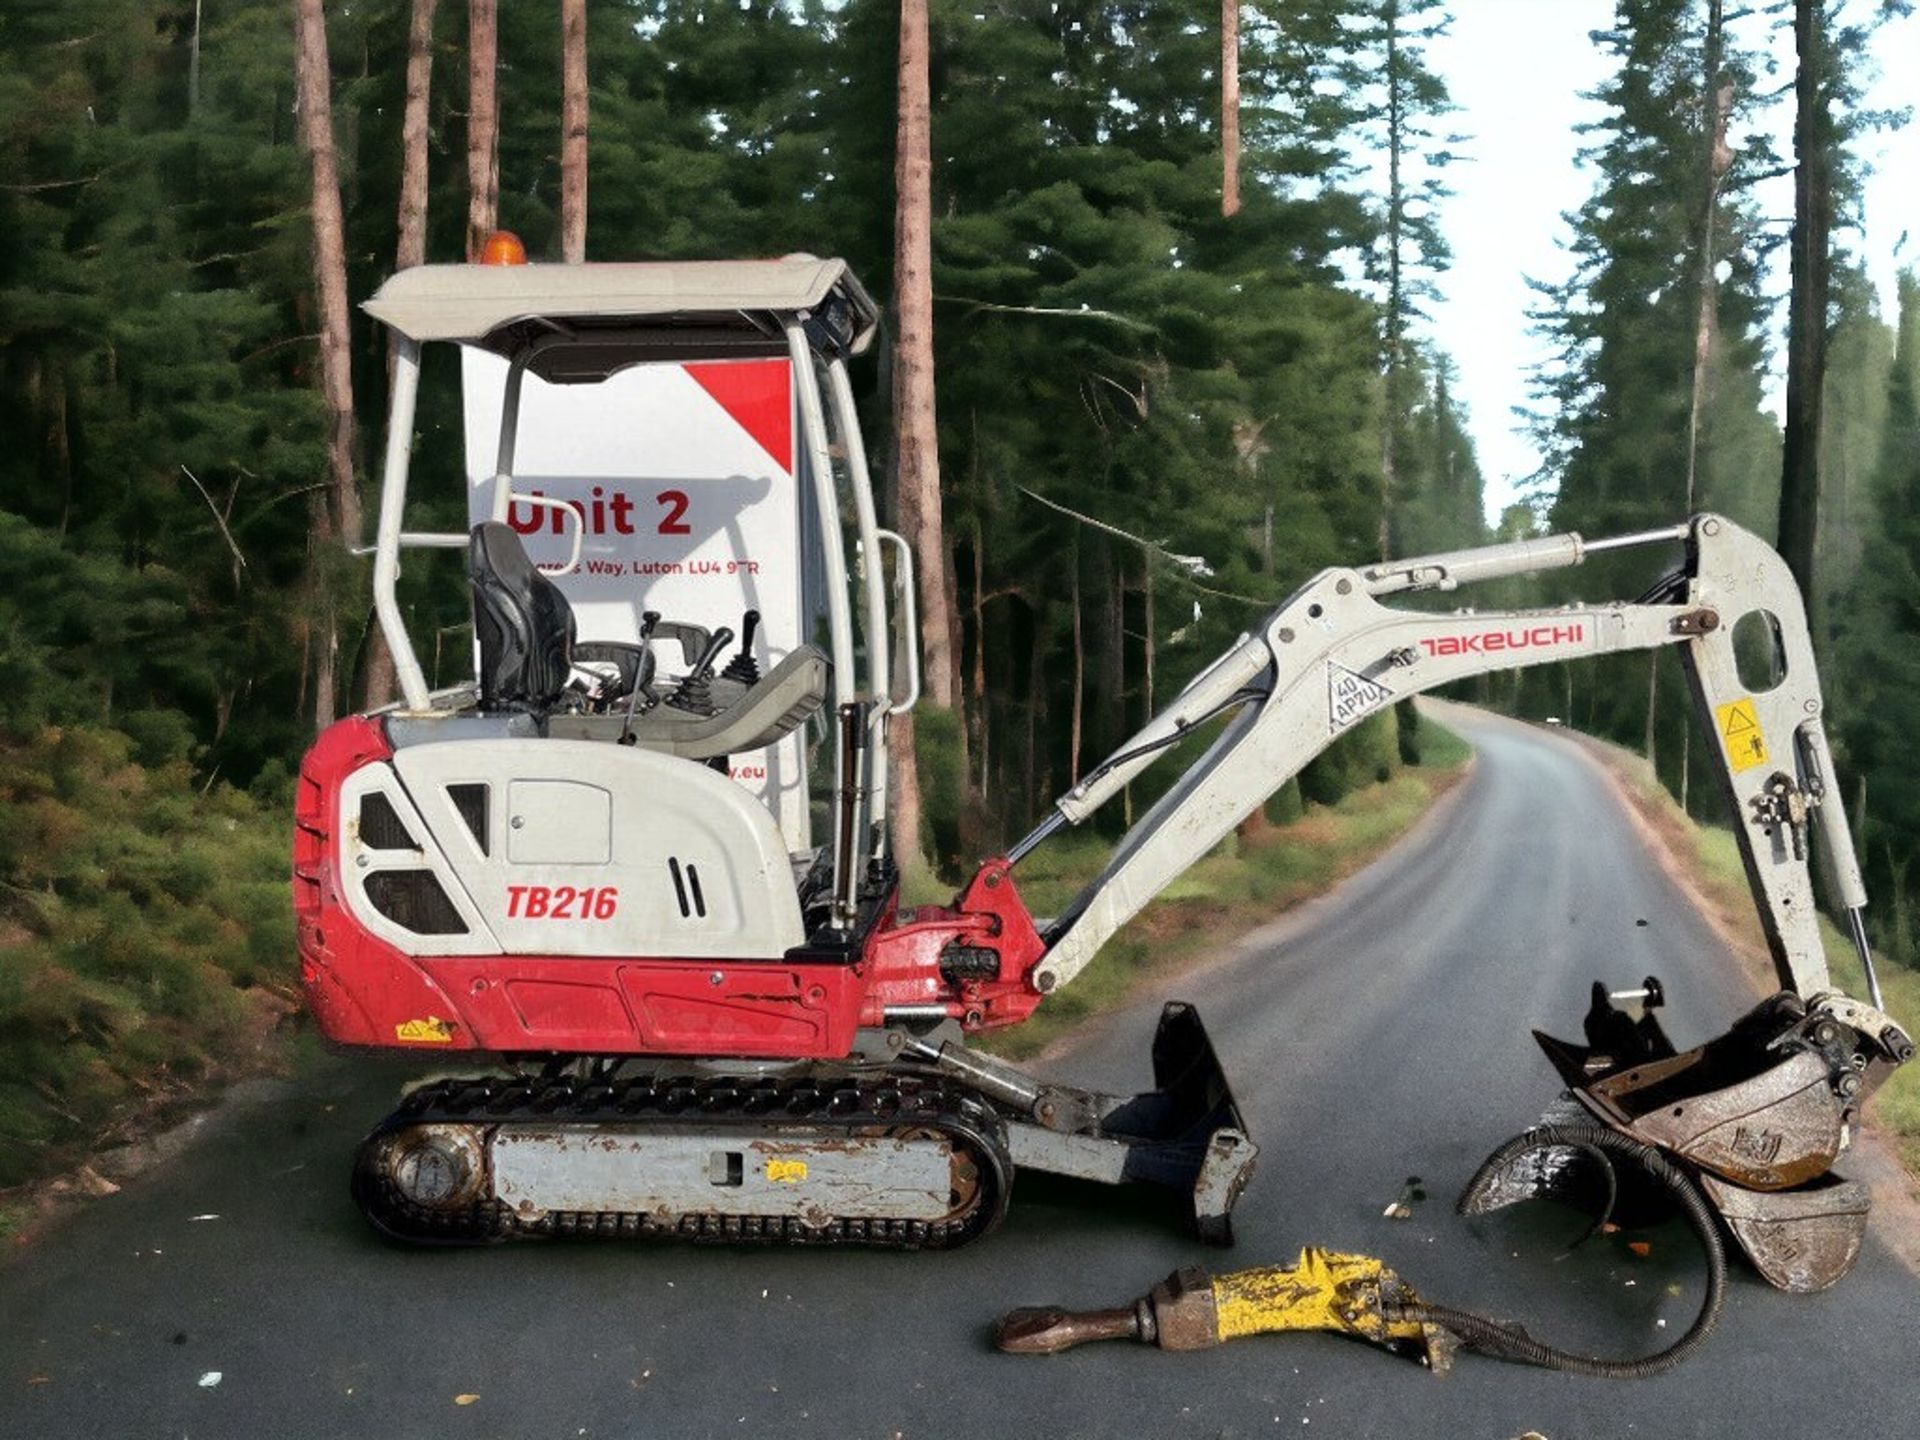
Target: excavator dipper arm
pixel 1332 654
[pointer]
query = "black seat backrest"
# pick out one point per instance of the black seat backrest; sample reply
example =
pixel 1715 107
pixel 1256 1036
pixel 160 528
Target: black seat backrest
pixel 522 621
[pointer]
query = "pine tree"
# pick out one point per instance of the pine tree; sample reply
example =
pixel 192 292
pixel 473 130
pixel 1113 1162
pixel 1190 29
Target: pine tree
pixel 1880 647
pixel 1618 399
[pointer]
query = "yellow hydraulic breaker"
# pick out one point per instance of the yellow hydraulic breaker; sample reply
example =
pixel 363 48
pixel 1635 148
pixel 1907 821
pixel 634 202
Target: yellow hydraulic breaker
pixel 1190 1310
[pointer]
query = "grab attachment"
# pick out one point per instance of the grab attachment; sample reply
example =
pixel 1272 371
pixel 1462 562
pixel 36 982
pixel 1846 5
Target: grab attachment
pixel 1759 1115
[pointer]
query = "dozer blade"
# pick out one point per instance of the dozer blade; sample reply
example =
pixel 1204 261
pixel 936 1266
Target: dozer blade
pixel 1757 1117
pixel 1185 1134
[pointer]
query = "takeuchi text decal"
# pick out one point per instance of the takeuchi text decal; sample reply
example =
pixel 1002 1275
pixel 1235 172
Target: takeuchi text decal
pixel 1492 642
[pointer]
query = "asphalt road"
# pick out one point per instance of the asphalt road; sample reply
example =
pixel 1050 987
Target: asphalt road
pixel 1381 1035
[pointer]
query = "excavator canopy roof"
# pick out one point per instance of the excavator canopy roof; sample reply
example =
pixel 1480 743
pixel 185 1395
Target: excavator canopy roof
pixel 583 322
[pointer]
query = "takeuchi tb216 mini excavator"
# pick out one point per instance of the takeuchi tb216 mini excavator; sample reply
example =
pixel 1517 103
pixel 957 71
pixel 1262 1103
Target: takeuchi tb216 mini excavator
pixel 697 1028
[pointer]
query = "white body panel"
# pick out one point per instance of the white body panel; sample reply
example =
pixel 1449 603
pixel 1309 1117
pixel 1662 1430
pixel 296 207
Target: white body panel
pixel 594 849
pixel 361 862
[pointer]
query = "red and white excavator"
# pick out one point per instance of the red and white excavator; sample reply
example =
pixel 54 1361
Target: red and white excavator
pixel 704 1024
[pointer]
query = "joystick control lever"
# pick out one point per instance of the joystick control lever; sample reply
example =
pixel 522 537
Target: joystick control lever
pixel 642 676
pixel 743 667
pixel 695 693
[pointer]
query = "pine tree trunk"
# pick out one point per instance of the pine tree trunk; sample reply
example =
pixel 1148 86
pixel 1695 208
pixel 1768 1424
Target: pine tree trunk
pixel 980 714
pixel 483 123
pixel 1396 296
pixel 1807 307
pixel 409 249
pixel 1716 101
pixel 916 467
pixel 573 131
pixel 1036 692
pixel 1079 681
pixel 1230 107
pixel 338 520
pixel 193 65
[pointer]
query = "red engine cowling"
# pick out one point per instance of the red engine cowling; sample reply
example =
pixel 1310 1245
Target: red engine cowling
pixel 969 961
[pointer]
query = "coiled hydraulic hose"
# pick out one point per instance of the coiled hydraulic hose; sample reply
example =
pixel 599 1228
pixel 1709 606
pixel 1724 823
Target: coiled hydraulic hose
pixel 1506 1342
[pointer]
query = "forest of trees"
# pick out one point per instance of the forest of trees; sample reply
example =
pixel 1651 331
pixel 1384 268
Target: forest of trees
pixel 1254 383
pixel 1656 400
pixel 1106 337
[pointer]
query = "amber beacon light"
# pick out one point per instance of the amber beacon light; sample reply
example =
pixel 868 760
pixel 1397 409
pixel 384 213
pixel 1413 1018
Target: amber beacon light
pixel 503 247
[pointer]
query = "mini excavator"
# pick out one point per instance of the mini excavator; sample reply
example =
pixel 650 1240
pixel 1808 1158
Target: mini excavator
pixel 693 1027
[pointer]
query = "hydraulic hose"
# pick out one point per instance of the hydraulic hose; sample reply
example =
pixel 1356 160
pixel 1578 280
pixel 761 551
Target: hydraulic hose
pixel 1506 1342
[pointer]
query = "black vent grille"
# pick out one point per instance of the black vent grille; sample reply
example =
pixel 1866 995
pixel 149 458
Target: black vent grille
pixel 380 827
pixel 686 889
pixel 414 901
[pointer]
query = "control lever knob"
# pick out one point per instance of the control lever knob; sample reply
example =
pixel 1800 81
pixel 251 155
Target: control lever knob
pixel 642 675
pixel 743 667
pixel 695 693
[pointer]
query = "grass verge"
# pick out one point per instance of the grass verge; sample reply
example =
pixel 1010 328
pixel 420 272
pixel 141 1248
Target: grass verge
pixel 1250 878
pixel 1711 866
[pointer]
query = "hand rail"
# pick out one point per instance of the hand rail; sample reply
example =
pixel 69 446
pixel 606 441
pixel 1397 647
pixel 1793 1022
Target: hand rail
pixel 910 605
pixel 579 527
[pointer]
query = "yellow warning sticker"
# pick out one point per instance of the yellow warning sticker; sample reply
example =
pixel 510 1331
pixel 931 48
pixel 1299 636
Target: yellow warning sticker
pixel 790 1172
pixel 1740 732
pixel 430 1031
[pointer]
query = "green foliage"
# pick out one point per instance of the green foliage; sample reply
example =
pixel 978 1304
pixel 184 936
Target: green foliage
pixel 1878 635
pixel 135 916
pixel 1368 754
pixel 936 745
pixel 1617 399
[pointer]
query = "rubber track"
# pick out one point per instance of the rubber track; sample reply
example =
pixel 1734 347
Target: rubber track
pixel 758 1105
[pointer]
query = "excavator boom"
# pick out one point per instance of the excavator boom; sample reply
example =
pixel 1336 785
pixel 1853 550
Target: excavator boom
pixel 1331 654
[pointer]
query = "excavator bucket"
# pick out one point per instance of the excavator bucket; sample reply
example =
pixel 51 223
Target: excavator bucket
pixel 1757 1116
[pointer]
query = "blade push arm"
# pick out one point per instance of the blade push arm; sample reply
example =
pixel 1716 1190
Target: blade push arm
pixel 1332 654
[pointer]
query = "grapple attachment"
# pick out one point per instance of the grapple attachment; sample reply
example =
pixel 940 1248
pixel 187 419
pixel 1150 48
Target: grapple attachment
pixel 1758 1117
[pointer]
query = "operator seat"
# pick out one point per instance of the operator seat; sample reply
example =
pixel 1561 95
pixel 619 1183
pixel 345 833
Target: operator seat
pixel 523 623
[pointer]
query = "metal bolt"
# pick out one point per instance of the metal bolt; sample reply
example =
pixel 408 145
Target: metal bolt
pixel 716 978
pixel 519 822
pixel 361 861
pixel 1286 636
pixel 1710 527
pixel 993 880
pixel 1812 707
pixel 1345 587
pixel 1044 981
